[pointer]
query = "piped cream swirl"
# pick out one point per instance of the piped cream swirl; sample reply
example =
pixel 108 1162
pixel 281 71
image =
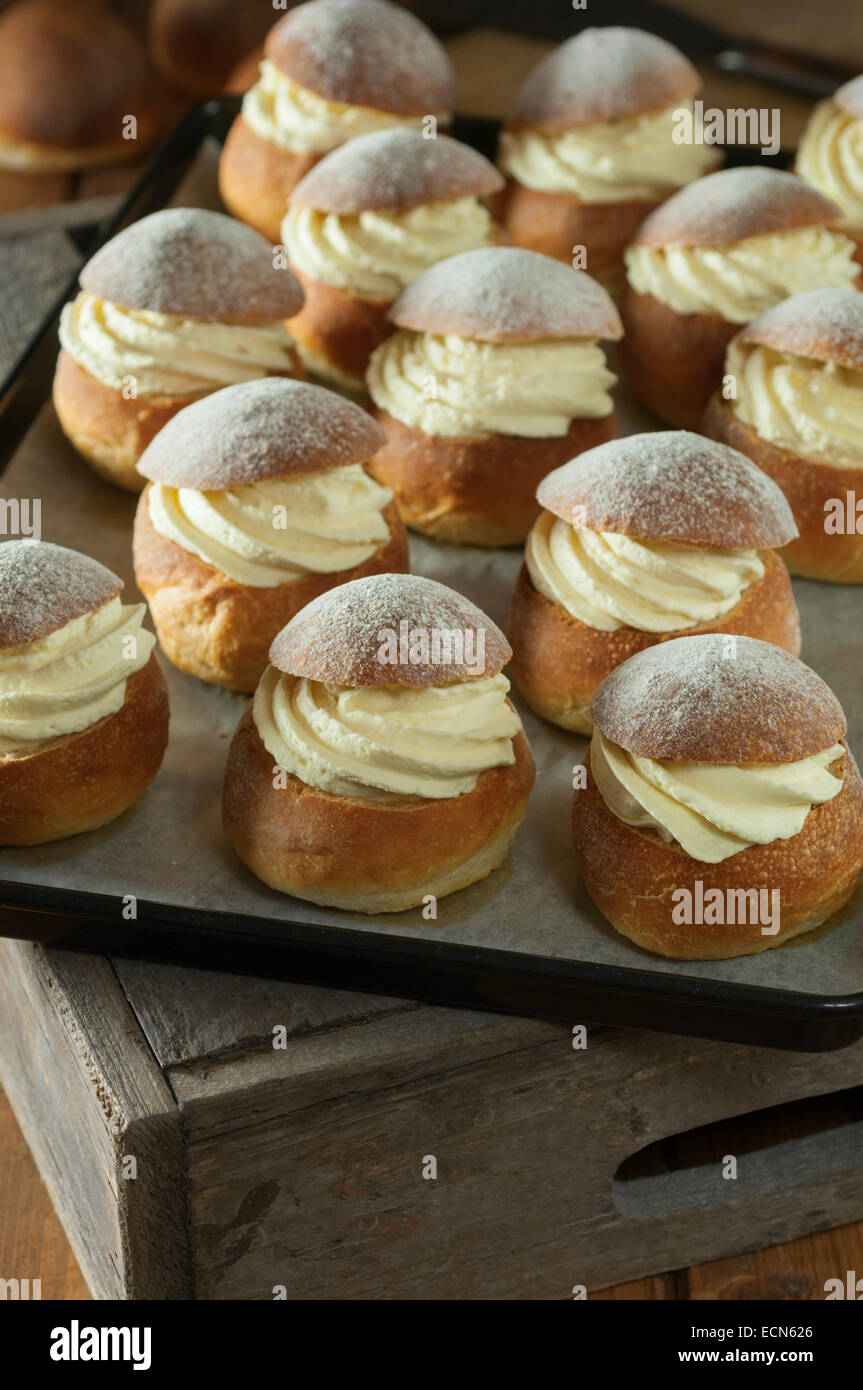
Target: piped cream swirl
pixel 812 409
pixel 446 385
pixel 269 533
pixel 281 111
pixel 168 355
pixel 830 157
pixel 69 680
pixel 740 279
pixel 386 741
pixel 712 810
pixel 376 254
pixel 609 581
pixel 608 161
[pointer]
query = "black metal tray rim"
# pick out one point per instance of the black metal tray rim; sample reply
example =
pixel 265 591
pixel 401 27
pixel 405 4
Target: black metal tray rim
pixel 58 903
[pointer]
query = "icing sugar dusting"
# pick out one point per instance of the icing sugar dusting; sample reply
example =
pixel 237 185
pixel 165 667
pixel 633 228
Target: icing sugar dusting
pixel 261 429
pixel 336 636
pixel 506 294
pixel 671 485
pixel 393 169
pixel 732 204
pixel 716 698
pixel 605 75
pixel 826 324
pixel 364 52
pixel 193 262
pixel 44 586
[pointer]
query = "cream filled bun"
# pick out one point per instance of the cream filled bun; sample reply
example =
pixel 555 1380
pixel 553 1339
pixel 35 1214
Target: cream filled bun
pixel 173 307
pixel 712 258
pixel 197 46
pixel 380 761
pixel 723 811
pixel 83 703
pixel 793 402
pixel 495 377
pixel 332 70
pixel 639 541
pixel 830 156
pixel 589 145
pixel 364 224
pixel 70 76
pixel 259 500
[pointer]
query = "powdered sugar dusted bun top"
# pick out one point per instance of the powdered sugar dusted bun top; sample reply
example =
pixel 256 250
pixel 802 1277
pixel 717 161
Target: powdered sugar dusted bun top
pixel 270 428
pixel 364 633
pixel 718 699
pixel 392 169
pixel 850 97
pixel 826 325
pixel 604 75
pixel 43 587
pixel 364 53
pixel 503 294
pixel 671 485
pixel 733 204
pixel 195 264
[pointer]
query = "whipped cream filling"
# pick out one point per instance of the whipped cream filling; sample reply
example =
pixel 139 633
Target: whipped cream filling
pixel 281 111
pixel 269 533
pixel 609 581
pixel 608 161
pixel 740 279
pixel 830 157
pixel 321 370
pixel 168 355
pixel 812 409
pixel 446 385
pixel 69 680
pixel 712 810
pixel 386 741
pixel 376 254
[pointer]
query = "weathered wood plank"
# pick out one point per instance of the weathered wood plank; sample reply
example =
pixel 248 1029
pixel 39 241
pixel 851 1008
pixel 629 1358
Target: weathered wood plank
pixel 88 1095
pixel 228 1092
pixel 191 1014
pixel 332 1202
pixel 32 1239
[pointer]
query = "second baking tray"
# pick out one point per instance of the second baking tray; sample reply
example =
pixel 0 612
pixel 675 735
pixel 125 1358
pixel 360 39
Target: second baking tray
pixel 162 882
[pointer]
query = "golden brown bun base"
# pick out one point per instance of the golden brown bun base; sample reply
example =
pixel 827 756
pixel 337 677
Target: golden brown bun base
pixel 555 223
pixel 108 430
pixel 342 330
pixel 256 178
pixel 27 158
pixel 196 46
pixel 632 874
pixel 475 491
pixel 364 855
pixel 338 327
pixel 807 485
pixel 85 780
pixel 674 362
pixel 217 629
pixel 558 661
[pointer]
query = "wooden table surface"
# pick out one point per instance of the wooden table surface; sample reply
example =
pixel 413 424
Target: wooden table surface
pixel 32 1242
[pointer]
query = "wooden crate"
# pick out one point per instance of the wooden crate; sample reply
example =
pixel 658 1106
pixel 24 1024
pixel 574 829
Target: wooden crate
pixel 302 1166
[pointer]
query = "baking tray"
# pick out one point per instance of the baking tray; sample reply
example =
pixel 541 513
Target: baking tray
pixel 527 940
